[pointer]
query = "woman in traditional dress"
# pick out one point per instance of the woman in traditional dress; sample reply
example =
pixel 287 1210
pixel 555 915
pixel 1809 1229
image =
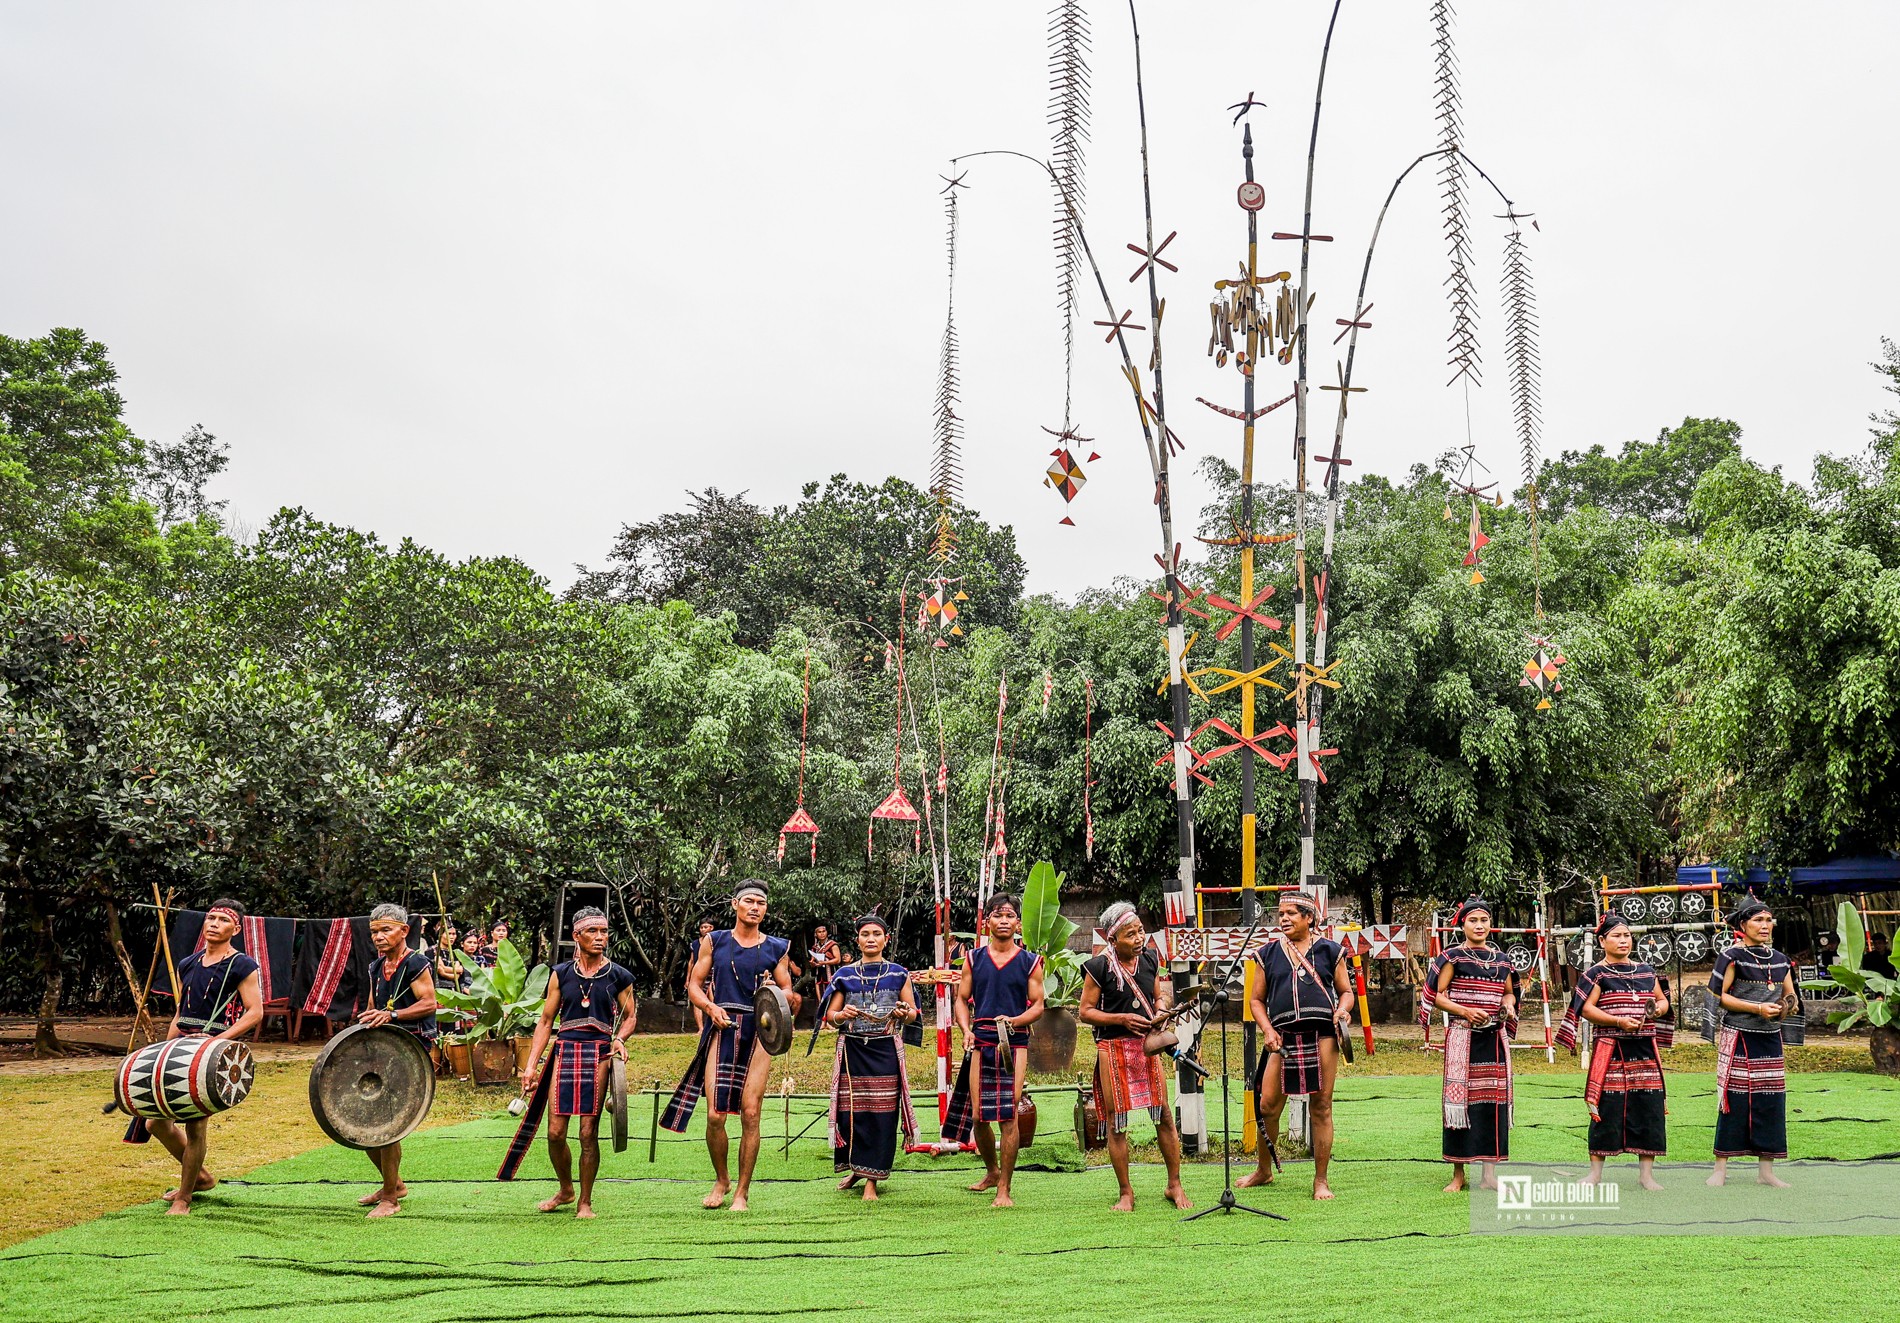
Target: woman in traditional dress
pixel 1124 990
pixel 870 1002
pixel 1475 985
pixel 1624 999
pixel 1753 984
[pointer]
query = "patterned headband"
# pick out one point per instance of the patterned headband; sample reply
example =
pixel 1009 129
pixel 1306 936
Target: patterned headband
pixel 227 912
pixel 1473 906
pixel 1301 899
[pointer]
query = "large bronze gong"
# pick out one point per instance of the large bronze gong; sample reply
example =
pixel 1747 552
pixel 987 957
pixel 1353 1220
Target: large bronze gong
pixel 371 1086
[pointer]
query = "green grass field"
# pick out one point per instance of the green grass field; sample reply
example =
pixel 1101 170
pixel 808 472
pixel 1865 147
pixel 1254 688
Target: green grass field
pixel 288 1237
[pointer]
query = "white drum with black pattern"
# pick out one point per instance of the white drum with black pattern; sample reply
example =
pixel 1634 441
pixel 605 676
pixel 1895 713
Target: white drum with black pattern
pixel 183 1079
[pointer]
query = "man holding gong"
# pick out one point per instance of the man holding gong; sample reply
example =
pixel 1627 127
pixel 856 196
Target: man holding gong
pixel 402 993
pixel 593 999
pixel 731 1065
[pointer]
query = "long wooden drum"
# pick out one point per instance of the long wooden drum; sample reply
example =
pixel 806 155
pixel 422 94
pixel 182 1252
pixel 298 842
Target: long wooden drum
pixel 182 1079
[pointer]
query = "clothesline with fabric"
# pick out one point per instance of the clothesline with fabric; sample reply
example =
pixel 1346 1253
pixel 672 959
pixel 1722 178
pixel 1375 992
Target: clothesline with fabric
pixel 307 964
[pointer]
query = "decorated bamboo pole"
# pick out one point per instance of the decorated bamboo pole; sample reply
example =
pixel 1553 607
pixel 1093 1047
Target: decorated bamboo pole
pixel 1315 692
pixel 1307 761
pixel 1182 894
pixel 1191 1104
pixel 1251 200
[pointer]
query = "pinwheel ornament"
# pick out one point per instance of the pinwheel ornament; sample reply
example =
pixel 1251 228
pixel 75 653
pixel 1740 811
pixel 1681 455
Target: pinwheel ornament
pixel 939 608
pixel 1540 672
pixel 1066 475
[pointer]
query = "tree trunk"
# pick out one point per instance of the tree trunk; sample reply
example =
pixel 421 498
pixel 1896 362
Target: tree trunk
pixel 45 1040
pixel 1885 1044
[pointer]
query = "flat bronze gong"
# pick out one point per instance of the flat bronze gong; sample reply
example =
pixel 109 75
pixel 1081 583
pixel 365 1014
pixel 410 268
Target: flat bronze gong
pixel 371 1086
pixel 617 1103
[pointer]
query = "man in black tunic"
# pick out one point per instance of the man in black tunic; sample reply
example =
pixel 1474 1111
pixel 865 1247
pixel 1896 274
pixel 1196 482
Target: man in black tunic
pixel 212 984
pixel 593 997
pixel 1302 998
pixel 401 993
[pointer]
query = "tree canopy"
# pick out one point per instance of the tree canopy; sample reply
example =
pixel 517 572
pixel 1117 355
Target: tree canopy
pixel 312 718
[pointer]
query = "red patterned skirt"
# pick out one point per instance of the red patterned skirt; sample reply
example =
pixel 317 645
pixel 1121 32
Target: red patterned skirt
pixel 1128 1080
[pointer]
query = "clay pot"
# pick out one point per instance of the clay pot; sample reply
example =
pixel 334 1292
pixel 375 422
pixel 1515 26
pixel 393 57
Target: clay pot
pixel 1052 1042
pixel 494 1062
pixel 522 1047
pixel 461 1059
pixel 1091 1133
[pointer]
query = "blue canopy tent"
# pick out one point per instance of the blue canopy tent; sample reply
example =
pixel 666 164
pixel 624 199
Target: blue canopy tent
pixel 1854 876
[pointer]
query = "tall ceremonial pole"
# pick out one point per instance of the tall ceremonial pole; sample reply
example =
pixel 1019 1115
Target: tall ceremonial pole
pixel 1250 201
pixel 1192 1106
pixel 1308 745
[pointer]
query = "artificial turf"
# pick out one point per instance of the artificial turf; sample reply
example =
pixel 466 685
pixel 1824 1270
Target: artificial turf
pixel 289 1237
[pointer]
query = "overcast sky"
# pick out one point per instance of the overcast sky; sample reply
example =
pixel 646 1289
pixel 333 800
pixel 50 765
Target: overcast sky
pixel 504 277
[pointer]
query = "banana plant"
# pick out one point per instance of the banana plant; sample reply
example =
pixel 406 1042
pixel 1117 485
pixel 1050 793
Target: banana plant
pixel 1046 933
pixel 501 1001
pixel 1863 995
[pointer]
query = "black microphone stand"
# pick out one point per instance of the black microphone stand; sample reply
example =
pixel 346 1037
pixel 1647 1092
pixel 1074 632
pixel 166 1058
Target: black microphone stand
pixel 1227 1203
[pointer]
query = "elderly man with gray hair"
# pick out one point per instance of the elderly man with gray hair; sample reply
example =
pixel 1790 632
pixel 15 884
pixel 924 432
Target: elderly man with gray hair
pixel 402 994
pixel 1125 992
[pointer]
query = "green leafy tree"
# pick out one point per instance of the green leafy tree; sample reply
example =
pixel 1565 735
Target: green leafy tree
pixel 68 462
pixel 1774 659
pixel 846 548
pixel 1648 480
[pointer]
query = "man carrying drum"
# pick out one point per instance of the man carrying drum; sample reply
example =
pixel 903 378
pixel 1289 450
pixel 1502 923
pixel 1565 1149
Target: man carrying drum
pixel 402 993
pixel 211 984
pixel 588 993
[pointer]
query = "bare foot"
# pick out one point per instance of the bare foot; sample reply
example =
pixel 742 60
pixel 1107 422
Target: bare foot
pixel 1648 1182
pixel 1769 1178
pixel 738 1203
pixel 554 1204
pixel 206 1181
pixel 1591 1180
pixel 849 1181
pixel 717 1197
pixel 1488 1183
pixel 385 1208
pixel 870 1190
pixel 1253 1178
pixel 987 1183
pixel 1002 1199
pixel 376 1196
pixel 1321 1190
pixel 1178 1197
pixel 179 1208
pixel 583 1210
pixel 1125 1204
pixel 1457 1185
pixel 1719 1178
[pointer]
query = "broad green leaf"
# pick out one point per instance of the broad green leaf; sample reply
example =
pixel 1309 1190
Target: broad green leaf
pixel 1853 935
